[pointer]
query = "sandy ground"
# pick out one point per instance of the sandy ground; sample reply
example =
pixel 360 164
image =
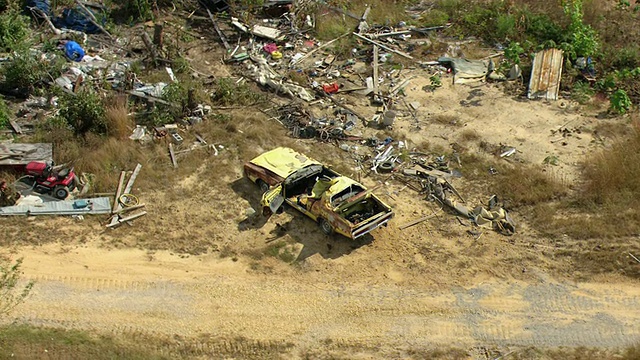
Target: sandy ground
pixel 198 267
pixel 132 292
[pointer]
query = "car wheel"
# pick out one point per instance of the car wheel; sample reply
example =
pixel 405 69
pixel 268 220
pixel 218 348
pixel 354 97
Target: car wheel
pixel 61 192
pixel 264 187
pixel 386 166
pixel 326 227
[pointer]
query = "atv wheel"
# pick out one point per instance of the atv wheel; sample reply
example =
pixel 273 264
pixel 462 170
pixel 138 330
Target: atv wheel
pixel 326 227
pixel 264 187
pixel 61 192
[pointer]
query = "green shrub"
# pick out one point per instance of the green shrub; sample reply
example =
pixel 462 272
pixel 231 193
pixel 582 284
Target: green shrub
pixel 227 92
pixel 26 72
pixel 434 17
pixel 506 26
pixel 620 101
pixel 84 112
pixel 14 29
pixel 584 39
pixel 582 92
pixel 4 114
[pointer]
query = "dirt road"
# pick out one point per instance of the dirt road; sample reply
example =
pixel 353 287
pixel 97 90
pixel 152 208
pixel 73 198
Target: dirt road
pixel 134 292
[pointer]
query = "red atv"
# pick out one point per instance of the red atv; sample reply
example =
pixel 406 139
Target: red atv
pixel 45 179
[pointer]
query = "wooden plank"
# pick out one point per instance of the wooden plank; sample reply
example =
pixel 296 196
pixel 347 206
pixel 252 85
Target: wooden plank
pixel 130 208
pixel 417 221
pixel 201 139
pixel 383 46
pixel 173 156
pixel 15 126
pixel 127 190
pixel 217 28
pixel 126 219
pixel 375 69
pixel 119 190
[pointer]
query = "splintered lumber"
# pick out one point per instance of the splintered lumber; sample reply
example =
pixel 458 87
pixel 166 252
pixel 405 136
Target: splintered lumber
pixel 173 156
pixel 126 219
pixel 127 190
pixel 383 46
pixel 15 126
pixel 217 28
pixel 119 189
pixel 417 221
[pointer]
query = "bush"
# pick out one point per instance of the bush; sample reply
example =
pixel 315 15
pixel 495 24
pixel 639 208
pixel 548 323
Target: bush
pixel 24 73
pixel 14 29
pixel 434 18
pixel 84 112
pixel 227 92
pixel 620 101
pixel 4 114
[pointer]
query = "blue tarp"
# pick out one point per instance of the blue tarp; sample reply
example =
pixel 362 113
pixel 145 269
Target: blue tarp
pixel 73 19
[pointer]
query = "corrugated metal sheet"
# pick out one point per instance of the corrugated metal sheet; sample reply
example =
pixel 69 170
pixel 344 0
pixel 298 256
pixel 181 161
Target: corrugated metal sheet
pixel 21 154
pixel 545 75
pixel 100 205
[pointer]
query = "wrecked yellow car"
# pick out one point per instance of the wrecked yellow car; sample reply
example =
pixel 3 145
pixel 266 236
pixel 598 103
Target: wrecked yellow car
pixel 339 204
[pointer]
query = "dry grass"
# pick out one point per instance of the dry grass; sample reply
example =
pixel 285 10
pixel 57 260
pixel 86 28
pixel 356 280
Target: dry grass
pixel 119 124
pixel 331 23
pixel 528 185
pixel 613 176
pixel 447 119
pixel 469 135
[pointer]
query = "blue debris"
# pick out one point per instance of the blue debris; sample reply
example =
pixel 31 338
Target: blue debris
pixel 73 51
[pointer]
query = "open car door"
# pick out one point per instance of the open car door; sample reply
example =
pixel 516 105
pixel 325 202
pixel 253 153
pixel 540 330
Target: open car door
pixel 272 200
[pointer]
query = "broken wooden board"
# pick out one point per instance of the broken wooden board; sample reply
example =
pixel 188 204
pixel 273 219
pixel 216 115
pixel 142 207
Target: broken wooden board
pixel 127 190
pixel 126 219
pixel 172 154
pixel 417 221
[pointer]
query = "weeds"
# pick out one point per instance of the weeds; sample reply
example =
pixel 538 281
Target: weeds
pixel 227 92
pixel 14 28
pixel 117 120
pixel 5 115
pixel 11 292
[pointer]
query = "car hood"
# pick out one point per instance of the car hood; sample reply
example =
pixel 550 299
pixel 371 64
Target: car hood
pixel 283 161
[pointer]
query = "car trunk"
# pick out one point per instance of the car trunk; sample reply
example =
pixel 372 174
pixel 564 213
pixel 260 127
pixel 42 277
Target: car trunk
pixel 365 214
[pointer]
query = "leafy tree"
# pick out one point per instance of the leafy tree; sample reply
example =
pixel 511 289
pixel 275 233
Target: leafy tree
pixel 583 38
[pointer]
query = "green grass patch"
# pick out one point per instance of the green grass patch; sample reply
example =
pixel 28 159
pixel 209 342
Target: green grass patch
pixel 25 342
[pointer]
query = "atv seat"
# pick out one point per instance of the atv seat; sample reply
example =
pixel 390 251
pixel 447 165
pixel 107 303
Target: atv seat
pixel 63 173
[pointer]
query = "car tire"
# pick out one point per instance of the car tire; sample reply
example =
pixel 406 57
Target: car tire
pixel 61 192
pixel 386 166
pixel 326 227
pixel 264 187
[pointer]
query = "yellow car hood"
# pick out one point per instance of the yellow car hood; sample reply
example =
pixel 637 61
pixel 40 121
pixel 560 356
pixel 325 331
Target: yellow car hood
pixel 283 161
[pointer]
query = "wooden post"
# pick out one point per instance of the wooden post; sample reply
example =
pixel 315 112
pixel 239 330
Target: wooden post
pixel 158 35
pixel 152 49
pixel 119 190
pixel 173 156
pixel 375 69
pixel 220 33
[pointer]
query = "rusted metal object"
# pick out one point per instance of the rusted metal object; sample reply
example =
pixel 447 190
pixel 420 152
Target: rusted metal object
pixel 545 75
